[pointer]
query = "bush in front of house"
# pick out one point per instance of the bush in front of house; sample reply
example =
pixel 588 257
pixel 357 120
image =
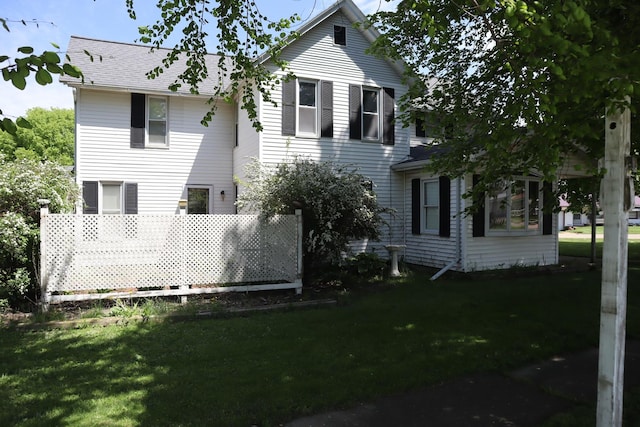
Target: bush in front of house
pixel 22 183
pixel 338 205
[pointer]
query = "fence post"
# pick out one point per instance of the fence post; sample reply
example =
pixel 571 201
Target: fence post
pixel 183 260
pixel 45 294
pixel 300 271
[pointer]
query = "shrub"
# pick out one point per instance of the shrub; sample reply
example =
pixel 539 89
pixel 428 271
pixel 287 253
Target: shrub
pixel 338 204
pixel 22 183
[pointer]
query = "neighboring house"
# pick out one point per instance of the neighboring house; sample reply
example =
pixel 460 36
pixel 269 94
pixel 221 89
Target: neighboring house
pixel 567 218
pixel 140 148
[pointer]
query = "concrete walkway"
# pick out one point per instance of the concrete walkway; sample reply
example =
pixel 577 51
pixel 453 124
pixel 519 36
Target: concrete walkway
pixel 523 397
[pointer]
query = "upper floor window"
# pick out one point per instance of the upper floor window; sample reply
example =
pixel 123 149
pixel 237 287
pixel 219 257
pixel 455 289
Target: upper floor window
pixel 157 129
pixel 515 207
pixel 149 121
pixel 372 114
pixel 340 35
pixel 307 107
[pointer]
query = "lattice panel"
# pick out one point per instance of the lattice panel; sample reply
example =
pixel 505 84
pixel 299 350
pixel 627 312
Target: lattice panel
pixel 90 252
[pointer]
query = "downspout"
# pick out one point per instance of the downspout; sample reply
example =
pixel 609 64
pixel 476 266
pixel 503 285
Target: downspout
pixel 458 256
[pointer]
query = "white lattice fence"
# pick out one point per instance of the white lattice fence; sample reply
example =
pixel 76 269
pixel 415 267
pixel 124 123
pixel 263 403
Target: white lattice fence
pixel 101 256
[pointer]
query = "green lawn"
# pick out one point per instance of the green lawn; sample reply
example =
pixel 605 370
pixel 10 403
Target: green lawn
pixel 633 229
pixel 266 369
pixel 582 248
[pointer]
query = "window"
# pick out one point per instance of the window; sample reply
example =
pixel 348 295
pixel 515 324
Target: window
pixel 157 121
pixel 307 107
pixel 372 114
pixel 149 121
pixel 111 199
pixel 340 35
pixel 430 206
pixel 515 207
pixel 198 200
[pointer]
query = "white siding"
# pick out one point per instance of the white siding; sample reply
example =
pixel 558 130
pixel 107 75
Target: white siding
pixel 314 56
pixel 429 250
pixel 196 154
pixel 497 252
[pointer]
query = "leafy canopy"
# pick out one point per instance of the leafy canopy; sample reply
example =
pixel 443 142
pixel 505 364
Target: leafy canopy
pixel 517 84
pixel 17 68
pixel 242 34
pixel 49 137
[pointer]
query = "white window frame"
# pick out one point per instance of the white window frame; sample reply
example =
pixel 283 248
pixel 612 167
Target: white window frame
pixel 507 230
pixel 101 202
pixel 149 120
pixel 425 207
pixel 199 186
pixel 378 113
pixel 315 109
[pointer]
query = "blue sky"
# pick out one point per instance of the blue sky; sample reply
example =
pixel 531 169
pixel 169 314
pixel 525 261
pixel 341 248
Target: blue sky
pixel 54 21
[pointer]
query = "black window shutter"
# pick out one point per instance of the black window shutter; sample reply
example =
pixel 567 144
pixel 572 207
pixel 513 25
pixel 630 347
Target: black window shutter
pixel 289 107
pixel 130 198
pixel 355 112
pixel 547 214
pixel 416 207
pixel 445 206
pixel 478 216
pixel 90 196
pixel 137 120
pixel 326 121
pixel 388 125
pixel 420 128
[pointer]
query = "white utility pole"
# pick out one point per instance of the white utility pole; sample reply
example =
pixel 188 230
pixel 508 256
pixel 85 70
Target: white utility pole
pixel 613 305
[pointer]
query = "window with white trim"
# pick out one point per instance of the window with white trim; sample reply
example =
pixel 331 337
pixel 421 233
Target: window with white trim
pixel 307 107
pixel 198 200
pixel 370 114
pixel 157 121
pixel 515 207
pixel 111 198
pixel 430 206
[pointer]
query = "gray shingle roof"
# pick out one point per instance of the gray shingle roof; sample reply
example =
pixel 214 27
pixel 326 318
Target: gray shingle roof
pixel 123 66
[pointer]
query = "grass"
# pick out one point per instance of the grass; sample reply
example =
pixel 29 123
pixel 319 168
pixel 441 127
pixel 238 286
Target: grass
pixel 582 248
pixel 266 369
pixel 633 229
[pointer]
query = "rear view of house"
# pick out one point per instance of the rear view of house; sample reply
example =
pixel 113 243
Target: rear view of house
pixel 141 148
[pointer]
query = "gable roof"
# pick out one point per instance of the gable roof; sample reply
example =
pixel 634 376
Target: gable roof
pixel 355 16
pixel 124 66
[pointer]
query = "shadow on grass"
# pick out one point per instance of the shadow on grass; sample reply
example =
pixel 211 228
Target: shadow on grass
pixel 269 368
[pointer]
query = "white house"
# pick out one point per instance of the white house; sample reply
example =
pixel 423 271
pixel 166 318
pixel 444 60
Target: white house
pixel 140 148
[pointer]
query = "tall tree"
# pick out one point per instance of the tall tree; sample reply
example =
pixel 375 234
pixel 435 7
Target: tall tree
pixel 523 83
pixel 520 82
pixel 50 137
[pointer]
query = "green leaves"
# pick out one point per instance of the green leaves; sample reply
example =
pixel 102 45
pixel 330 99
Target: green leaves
pixel 242 34
pixel 526 82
